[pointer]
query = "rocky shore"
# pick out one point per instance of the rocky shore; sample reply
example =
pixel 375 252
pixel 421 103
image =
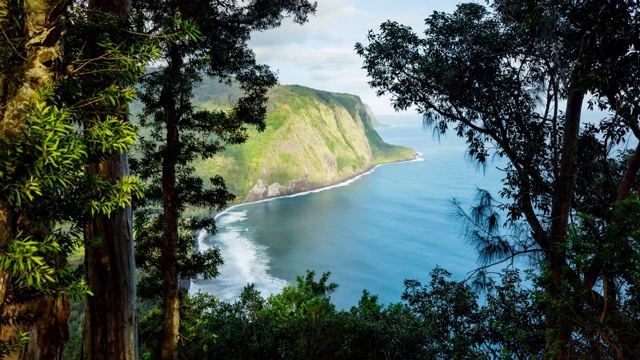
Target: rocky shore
pixel 262 190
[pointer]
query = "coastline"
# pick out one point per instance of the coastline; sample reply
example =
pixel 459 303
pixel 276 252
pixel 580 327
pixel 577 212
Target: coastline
pixel 199 236
pixel 342 182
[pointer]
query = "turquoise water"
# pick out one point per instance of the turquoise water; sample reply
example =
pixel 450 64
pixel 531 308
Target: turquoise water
pixel 372 233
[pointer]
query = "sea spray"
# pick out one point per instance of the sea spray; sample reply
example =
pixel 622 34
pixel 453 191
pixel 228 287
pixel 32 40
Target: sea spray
pixel 245 261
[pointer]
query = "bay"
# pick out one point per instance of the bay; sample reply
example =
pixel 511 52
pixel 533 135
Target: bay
pixel 372 233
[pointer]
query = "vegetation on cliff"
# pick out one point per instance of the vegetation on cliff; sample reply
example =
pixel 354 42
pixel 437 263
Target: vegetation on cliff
pixel 312 138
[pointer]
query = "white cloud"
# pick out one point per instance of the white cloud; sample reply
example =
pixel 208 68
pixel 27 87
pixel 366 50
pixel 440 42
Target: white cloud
pixel 320 54
pixel 305 56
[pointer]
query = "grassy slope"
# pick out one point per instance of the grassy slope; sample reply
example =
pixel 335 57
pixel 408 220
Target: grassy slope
pixel 327 136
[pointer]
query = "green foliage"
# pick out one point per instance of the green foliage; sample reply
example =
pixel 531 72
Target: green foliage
pixel 14 345
pixel 43 179
pixel 73 346
pixel 451 311
pixel 614 247
pixel 497 78
pixel 299 323
pixel 375 331
pixel 149 228
pixel 69 122
pixel 440 320
pixel 24 261
pixel 47 155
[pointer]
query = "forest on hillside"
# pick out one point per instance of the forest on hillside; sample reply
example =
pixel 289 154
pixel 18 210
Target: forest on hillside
pixel 97 239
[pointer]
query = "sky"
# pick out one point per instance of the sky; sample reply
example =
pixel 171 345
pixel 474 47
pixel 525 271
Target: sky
pixel 320 54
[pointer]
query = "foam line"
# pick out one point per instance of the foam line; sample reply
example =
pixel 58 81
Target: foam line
pixel 245 262
pixel 329 187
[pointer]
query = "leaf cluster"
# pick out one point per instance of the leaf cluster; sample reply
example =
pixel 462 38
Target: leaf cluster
pixel 68 123
pixel 441 319
pixel 498 79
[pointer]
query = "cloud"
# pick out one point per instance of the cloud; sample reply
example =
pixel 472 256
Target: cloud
pixel 324 27
pixel 320 53
pixel 305 56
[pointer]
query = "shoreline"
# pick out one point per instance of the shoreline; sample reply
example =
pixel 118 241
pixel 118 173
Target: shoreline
pixel 340 183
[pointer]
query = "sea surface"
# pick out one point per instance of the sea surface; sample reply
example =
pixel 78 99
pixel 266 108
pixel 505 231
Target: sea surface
pixel 373 232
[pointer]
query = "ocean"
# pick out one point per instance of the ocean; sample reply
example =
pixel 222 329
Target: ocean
pixel 372 232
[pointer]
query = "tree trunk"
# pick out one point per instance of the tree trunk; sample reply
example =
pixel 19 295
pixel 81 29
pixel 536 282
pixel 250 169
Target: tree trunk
pixel 110 314
pixel 48 335
pixel 171 295
pixel 559 328
pixel 110 330
pixel 624 190
pixel 171 301
pixel 43 30
pixel 4 24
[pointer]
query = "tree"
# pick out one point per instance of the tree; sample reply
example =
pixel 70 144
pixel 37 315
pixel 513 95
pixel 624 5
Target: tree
pixel 110 330
pixel 219 49
pixel 500 80
pixel 30 253
pixel 441 319
pixel 299 323
pixel 46 196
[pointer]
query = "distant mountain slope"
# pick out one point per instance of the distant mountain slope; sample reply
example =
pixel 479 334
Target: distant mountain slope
pixel 376 124
pixel 313 138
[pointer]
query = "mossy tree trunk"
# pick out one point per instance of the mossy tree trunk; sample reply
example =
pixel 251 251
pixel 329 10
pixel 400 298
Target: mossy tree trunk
pixel 40 63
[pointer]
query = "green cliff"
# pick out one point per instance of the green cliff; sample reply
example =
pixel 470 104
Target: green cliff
pixel 313 138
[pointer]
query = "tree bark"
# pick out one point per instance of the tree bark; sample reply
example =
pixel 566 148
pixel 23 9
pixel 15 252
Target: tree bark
pixel 559 329
pixel 171 299
pixel 4 24
pixel 48 335
pixel 43 30
pixel 624 190
pixel 171 295
pixel 110 330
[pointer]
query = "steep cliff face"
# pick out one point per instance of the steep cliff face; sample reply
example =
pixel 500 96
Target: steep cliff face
pixel 313 139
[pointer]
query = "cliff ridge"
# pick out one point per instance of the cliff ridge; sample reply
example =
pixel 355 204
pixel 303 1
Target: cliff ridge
pixel 313 139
